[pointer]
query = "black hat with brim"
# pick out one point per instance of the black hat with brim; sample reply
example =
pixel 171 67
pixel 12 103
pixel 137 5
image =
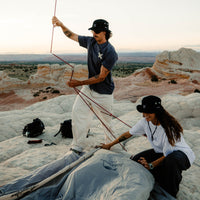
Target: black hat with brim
pixel 100 25
pixel 150 104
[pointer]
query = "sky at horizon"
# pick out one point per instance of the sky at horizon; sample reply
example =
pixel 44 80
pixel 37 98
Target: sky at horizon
pixel 145 25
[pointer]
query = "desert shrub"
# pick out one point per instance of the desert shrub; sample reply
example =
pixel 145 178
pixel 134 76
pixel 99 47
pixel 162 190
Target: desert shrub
pixel 36 94
pixel 55 92
pixel 154 78
pixel 172 82
pixel 196 91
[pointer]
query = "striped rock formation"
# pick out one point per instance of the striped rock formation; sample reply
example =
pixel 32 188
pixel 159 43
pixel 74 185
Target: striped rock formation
pixel 7 83
pixel 181 64
pixel 46 75
pixel 56 75
pixel 181 67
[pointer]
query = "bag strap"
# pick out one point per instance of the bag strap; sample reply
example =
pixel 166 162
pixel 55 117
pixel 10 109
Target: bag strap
pixel 57 132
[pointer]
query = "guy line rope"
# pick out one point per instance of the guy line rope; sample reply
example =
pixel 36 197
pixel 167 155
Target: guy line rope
pixel 81 94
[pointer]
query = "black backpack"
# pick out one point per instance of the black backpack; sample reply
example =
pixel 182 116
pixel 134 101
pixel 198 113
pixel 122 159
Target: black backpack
pixel 33 129
pixel 65 129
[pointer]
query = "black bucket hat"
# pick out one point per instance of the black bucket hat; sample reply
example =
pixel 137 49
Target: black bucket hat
pixel 150 104
pixel 100 25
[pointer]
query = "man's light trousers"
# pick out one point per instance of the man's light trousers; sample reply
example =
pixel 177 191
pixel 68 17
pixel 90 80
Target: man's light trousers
pixel 82 117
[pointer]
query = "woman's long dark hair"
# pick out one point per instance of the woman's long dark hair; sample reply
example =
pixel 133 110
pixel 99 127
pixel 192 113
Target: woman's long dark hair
pixel 171 126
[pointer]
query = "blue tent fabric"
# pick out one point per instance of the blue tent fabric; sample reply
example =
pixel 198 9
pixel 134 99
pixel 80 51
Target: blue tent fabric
pixel 39 174
pixel 106 175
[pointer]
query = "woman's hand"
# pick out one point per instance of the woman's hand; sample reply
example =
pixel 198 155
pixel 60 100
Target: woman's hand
pixel 105 146
pixel 143 161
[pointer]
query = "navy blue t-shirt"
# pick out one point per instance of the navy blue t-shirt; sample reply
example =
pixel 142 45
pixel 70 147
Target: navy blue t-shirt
pixel 99 54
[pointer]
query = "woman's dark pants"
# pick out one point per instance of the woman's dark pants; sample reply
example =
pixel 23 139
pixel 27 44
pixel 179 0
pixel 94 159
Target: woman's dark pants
pixel 169 173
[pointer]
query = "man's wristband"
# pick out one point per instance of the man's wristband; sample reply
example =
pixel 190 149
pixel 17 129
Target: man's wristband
pixel 150 166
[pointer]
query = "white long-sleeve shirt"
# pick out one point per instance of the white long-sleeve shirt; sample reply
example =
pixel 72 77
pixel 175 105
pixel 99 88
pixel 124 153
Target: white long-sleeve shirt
pixel 160 141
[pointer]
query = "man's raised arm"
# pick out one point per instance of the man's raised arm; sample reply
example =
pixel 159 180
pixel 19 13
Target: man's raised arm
pixel 66 31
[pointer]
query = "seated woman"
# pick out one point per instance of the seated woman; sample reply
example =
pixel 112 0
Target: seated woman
pixel 169 154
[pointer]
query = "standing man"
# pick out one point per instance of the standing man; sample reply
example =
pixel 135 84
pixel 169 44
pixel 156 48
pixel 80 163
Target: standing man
pixel 99 86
